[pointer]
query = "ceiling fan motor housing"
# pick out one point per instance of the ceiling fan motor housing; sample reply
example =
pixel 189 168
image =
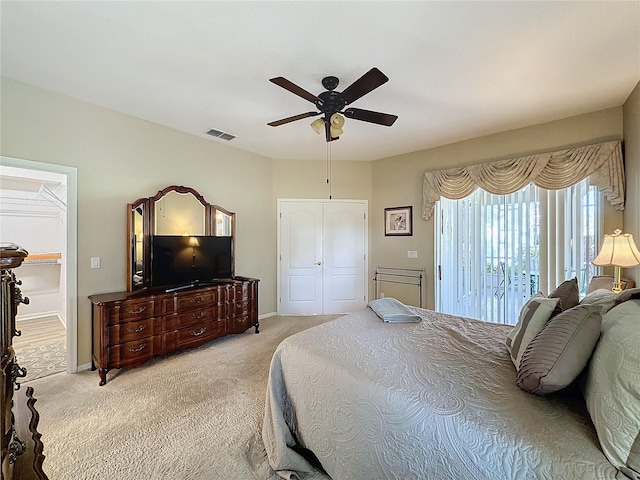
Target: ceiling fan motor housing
pixel 330 102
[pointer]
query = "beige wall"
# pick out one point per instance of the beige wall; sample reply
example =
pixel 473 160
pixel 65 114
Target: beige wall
pixel 45 127
pixel 102 144
pixel 119 159
pixel 308 179
pixel 397 181
pixel 631 110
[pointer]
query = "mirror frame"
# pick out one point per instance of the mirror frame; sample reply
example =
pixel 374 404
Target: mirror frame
pixel 131 244
pixel 148 223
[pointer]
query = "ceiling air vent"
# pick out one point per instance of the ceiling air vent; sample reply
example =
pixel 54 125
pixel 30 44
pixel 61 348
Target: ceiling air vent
pixel 220 134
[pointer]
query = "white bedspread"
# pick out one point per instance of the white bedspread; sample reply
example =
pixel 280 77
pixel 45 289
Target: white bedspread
pixel 430 400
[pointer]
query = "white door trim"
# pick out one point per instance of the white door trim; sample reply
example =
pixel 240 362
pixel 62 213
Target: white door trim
pixel 72 248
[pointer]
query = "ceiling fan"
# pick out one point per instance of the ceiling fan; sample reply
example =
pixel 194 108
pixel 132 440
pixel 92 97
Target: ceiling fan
pixel 331 103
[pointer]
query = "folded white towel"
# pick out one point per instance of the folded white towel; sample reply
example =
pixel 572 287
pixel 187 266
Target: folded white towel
pixel 392 310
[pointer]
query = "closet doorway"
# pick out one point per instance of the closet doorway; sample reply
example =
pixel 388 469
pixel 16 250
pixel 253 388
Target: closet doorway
pixel 322 256
pixel 38 212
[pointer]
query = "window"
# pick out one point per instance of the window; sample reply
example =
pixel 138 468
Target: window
pixel 494 251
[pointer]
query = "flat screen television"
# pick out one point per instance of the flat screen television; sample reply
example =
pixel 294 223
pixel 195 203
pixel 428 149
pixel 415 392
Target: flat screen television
pixel 178 260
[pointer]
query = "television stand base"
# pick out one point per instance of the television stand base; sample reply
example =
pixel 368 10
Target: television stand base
pixel 182 287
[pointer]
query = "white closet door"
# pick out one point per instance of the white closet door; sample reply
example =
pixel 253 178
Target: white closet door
pixel 344 257
pixel 322 257
pixel 300 258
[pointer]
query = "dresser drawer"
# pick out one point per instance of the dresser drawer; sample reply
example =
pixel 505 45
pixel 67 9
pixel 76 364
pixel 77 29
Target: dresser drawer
pixel 242 290
pixel 240 323
pixel 199 334
pixel 200 300
pixel 130 311
pixel 134 353
pixel 129 331
pixel 238 307
pixel 242 306
pixel 199 316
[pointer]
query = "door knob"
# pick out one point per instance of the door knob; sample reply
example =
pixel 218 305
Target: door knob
pixel 318 263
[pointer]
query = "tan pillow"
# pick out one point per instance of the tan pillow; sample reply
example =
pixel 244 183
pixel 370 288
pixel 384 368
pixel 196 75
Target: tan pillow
pixel 557 355
pixel 568 294
pixel 606 281
pixel 612 388
pixel 534 315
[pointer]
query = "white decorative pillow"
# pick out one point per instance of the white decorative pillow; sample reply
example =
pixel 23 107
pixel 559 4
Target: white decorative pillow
pixel 612 387
pixel 605 299
pixel 534 315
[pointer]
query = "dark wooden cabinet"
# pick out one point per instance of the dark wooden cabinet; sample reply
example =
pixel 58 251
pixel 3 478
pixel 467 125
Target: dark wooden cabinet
pixel 131 328
pixel 22 448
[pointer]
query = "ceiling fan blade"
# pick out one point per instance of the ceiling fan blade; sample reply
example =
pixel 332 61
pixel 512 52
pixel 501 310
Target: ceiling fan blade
pixel 292 119
pixel 293 88
pixel 369 116
pixel 366 83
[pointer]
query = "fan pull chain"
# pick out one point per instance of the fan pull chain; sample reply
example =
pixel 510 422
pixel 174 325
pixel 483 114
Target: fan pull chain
pixel 329 168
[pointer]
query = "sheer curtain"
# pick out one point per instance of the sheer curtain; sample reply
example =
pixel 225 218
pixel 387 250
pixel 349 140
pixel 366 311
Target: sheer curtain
pixel 494 251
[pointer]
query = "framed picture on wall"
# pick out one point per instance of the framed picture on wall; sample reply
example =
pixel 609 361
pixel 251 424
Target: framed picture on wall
pixel 398 221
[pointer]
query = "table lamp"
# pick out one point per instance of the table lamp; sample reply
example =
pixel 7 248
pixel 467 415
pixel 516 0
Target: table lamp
pixel 618 250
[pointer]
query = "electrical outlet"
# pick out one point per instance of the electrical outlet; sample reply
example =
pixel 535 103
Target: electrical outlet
pixel 382 295
pixel 95 262
pixel 412 254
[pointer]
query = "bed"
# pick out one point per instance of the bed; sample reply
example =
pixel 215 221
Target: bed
pixel 359 398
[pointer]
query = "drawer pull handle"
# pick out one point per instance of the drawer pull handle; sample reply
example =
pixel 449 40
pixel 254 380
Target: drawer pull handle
pixel 139 329
pixel 138 349
pixel 197 300
pixel 196 316
pixel 137 310
pixel 197 334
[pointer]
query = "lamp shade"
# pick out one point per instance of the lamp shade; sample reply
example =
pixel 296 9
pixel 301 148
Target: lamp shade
pixel 337 122
pixel 318 125
pixel 618 249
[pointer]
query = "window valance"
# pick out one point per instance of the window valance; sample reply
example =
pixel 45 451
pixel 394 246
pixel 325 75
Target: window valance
pixel 601 162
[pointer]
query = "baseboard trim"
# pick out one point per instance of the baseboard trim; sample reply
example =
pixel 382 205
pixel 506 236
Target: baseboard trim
pixel 35 316
pixel 85 366
pixel 267 315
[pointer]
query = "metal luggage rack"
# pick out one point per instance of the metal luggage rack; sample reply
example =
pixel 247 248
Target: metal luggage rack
pixel 404 276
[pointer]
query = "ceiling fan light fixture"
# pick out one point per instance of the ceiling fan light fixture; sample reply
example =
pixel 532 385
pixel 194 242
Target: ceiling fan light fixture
pixel 337 122
pixel 318 125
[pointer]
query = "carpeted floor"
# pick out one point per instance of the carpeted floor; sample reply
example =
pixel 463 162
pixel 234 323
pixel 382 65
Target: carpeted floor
pixel 42 346
pixel 193 415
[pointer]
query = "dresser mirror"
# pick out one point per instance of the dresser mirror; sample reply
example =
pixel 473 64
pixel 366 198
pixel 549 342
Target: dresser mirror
pixel 137 221
pixel 173 211
pixel 176 213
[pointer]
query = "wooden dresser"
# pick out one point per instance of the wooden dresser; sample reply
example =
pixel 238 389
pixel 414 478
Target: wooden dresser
pixel 22 448
pixel 129 328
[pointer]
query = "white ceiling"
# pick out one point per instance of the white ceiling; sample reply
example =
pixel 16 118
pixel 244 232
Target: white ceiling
pixel 457 70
